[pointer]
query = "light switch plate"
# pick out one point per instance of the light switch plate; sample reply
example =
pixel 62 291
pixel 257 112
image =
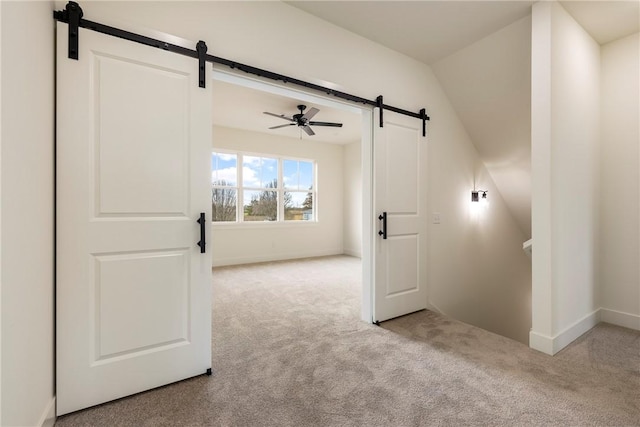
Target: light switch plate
pixel 435 217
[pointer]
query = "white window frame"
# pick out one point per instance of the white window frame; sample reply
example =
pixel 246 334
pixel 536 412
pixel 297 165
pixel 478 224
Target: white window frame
pixel 313 191
pixel 240 189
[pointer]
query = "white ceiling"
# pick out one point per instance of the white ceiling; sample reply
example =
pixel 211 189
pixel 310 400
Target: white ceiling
pixel 242 108
pixel 432 30
pixel 606 21
pixel 424 30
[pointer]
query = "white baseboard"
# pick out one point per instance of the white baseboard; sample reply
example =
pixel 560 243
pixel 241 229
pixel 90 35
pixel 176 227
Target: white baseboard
pixel 627 320
pixel 48 417
pixel 221 262
pixel 570 334
pixel 552 345
pixel 541 342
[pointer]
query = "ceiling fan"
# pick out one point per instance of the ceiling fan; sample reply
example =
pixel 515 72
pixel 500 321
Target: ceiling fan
pixel 303 120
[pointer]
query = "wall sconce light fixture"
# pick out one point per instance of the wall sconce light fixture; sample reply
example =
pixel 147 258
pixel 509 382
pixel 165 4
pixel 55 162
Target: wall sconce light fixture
pixel 475 195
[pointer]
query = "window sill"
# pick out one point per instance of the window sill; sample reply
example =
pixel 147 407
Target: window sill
pixel 263 225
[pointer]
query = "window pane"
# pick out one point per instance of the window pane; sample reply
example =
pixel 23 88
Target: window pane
pixel 290 174
pixel 269 173
pixel 306 175
pixel 224 169
pixel 224 204
pixel 259 172
pixel 297 174
pixel 260 205
pixel 251 171
pixel 298 206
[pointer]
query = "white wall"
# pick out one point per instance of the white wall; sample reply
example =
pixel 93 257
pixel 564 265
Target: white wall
pixel 478 272
pixel 257 242
pixel 620 220
pixel 266 35
pixel 565 148
pixel 489 85
pixel 352 224
pixel 27 219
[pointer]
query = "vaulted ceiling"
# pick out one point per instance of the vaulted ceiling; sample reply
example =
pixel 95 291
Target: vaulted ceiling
pixel 432 30
pixel 425 30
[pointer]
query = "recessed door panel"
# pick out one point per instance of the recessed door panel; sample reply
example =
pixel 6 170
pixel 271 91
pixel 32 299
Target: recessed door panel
pixel 402 265
pixel 142 137
pixel 141 302
pixel 401 158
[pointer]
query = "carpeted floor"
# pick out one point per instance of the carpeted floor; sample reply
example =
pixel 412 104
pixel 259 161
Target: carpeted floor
pixel 289 350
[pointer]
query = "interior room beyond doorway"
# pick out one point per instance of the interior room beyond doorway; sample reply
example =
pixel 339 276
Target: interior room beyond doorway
pixel 290 191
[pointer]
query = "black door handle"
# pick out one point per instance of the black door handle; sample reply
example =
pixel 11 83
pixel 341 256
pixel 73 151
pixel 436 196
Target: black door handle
pixel 383 232
pixel 202 243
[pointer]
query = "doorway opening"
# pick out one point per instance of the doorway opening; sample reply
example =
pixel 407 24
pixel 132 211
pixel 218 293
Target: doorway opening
pixel 286 190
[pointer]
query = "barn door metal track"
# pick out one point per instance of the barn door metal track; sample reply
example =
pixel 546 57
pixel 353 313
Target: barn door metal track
pixel 73 15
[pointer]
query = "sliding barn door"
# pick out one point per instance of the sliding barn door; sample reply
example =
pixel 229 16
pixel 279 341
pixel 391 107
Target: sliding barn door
pixel 133 172
pixel 400 185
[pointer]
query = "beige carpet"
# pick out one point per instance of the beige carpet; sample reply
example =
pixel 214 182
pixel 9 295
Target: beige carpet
pixel 289 350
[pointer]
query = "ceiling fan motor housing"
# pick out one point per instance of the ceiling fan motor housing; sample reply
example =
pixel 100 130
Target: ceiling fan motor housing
pixel 299 119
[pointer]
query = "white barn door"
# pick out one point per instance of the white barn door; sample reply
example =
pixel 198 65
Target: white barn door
pixel 400 159
pixel 133 172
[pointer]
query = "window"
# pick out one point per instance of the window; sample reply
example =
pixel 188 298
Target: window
pixel 224 187
pixel 271 189
pixel 298 195
pixel 260 188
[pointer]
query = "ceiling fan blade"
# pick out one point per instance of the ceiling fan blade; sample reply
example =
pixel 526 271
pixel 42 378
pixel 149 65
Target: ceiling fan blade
pixel 335 125
pixel 309 114
pixel 280 116
pixel 308 130
pixel 282 126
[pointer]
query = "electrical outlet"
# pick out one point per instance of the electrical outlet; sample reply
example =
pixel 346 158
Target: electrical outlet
pixel 435 217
